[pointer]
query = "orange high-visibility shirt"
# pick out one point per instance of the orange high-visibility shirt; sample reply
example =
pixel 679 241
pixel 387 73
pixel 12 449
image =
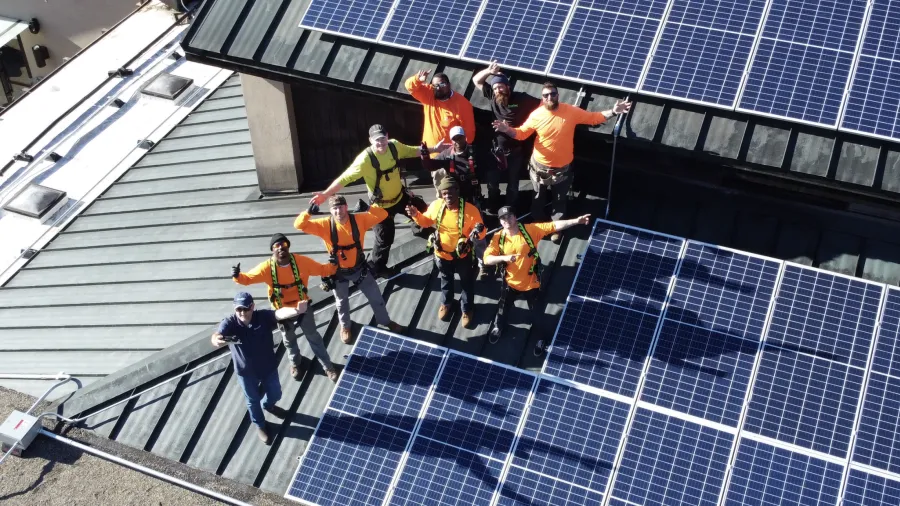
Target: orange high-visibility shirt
pixel 289 296
pixel 517 276
pixel 321 227
pixel 448 228
pixel 555 143
pixel 442 115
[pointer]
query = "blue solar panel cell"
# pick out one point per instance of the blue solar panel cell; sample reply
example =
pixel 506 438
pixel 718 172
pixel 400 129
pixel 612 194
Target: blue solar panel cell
pixel 477 406
pixel 387 379
pixel 698 64
pixel 832 24
pixel 723 290
pixel 518 33
pixel 887 347
pixel 571 435
pixel 601 345
pixel 648 8
pixel 873 101
pixel 882 37
pixel 864 489
pixel 668 461
pixel 438 474
pixel 605 46
pixel 524 488
pixel 804 400
pixel 740 16
pixel 825 314
pixel 359 18
pixel 770 476
pixel 628 267
pixel 350 462
pixel 878 434
pixel 433 25
pixel 700 372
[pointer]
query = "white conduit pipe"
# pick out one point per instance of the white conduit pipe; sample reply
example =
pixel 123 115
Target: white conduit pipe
pixel 146 470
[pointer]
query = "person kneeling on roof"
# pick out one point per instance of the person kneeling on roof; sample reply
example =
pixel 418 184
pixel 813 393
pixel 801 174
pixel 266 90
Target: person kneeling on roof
pixel 458 225
pixel 377 165
pixel 248 333
pixel 287 276
pixel 343 234
pixel 515 248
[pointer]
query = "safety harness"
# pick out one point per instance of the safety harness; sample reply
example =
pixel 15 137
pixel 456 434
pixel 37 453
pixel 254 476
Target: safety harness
pixel 532 250
pixel 275 298
pixel 337 249
pixel 379 173
pixel 435 238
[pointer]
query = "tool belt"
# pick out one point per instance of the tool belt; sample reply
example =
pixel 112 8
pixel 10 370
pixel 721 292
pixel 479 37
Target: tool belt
pixel 545 175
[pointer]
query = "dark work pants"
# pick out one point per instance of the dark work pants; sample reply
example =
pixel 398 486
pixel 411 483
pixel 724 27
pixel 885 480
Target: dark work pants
pixel 465 269
pixel 557 190
pixel 515 162
pixel 511 295
pixel 384 231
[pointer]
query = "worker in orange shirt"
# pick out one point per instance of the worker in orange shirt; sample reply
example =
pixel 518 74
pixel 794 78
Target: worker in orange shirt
pixel 288 275
pixel 458 225
pixel 343 234
pixel 443 108
pixel 549 167
pixel 515 248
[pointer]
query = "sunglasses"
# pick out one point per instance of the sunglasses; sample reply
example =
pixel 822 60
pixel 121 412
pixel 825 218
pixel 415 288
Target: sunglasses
pixel 441 85
pixel 280 245
pixel 242 309
pixel 551 94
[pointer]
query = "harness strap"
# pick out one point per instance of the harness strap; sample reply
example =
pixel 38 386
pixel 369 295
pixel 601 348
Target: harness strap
pixel 533 252
pixel 276 298
pixel 377 166
pixel 460 218
pixel 336 248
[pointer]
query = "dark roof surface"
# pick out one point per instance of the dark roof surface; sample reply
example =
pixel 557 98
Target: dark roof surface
pixel 263 38
pixel 201 420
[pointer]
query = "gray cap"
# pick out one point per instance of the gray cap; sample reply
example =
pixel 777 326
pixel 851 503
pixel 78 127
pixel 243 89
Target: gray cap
pixel 505 210
pixel 376 131
pixel 243 299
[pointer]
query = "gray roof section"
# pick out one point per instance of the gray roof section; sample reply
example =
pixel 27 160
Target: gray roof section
pixel 263 38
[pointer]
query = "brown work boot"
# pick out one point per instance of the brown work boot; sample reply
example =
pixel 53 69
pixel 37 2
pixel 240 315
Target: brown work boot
pixel 345 335
pixel 466 319
pixel 296 372
pixel 444 312
pixel 263 435
pixel 396 328
pixel 332 374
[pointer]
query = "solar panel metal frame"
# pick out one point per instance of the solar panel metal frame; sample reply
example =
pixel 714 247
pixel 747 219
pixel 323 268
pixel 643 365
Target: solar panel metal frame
pixel 839 118
pixel 341 34
pixel 865 469
pixel 412 434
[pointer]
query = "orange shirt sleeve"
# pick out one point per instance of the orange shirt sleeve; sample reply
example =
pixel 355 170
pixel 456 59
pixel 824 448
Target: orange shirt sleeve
pixel 583 117
pixel 427 218
pixel 259 274
pixel 319 227
pixel 367 220
pixel 471 216
pixel 420 91
pixel 309 267
pixel 466 117
pixel 493 248
pixel 528 127
pixel 538 231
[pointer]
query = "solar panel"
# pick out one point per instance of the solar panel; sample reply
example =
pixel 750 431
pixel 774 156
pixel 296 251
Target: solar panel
pixel 766 475
pixel 601 345
pixel 628 267
pixel 865 489
pixel 873 101
pixel 804 400
pixel 703 50
pixel 524 488
pixel 350 461
pixel 518 33
pixel 439 474
pixel 477 406
pixel 607 41
pixel 803 59
pixel 440 26
pixel 571 435
pixel 668 461
pixel 878 434
pixel 357 18
pixel 825 314
pixel 386 379
pixel 887 348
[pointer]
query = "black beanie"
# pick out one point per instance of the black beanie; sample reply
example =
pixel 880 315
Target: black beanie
pixel 279 237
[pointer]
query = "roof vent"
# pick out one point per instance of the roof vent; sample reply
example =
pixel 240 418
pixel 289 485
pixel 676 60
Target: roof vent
pixel 166 85
pixel 36 201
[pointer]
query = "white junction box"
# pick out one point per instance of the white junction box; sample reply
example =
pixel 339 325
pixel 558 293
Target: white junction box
pixel 18 431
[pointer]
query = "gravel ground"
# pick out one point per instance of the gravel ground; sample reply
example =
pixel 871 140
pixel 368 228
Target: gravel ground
pixel 53 473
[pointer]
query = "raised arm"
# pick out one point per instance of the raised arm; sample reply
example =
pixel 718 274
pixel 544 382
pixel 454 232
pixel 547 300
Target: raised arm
pixel 492 254
pixel 419 88
pixel 595 118
pixel 421 219
pixel 258 274
pixel 561 225
pixel 479 78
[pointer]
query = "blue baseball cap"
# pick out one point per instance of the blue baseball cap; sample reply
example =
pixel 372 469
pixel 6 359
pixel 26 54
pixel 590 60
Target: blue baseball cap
pixel 243 299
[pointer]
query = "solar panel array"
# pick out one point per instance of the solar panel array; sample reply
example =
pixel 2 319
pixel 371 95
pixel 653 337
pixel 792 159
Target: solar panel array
pixel 681 373
pixel 831 63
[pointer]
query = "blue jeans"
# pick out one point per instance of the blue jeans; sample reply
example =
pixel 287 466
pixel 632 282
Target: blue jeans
pixel 256 400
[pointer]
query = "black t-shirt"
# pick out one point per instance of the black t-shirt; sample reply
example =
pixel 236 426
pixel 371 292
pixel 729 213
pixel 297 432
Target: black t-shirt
pixel 457 165
pixel 515 113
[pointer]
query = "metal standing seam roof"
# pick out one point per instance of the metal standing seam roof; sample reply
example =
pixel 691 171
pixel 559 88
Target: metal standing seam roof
pixel 147 265
pixel 263 38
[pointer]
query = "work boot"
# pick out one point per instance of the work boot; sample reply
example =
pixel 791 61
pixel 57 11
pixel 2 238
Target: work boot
pixel 296 372
pixel 556 238
pixel 346 337
pixel 484 272
pixel 494 335
pixel 466 319
pixel 396 327
pixel 444 312
pixel 263 435
pixel 332 374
